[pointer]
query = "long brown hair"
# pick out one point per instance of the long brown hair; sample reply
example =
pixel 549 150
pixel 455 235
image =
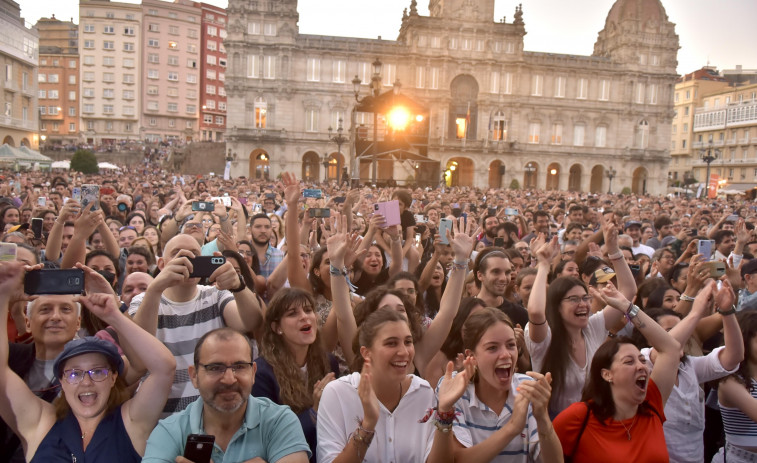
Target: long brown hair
pixel 557 357
pixel 477 324
pixel 371 303
pixel 293 390
pixel 369 328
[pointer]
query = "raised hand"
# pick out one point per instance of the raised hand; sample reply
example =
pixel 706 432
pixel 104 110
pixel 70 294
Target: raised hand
pixel 175 272
pixel 612 297
pixel 354 252
pixel 225 276
pixel 368 397
pixel 547 252
pixel 94 283
pixel 610 232
pixel 88 221
pixel 537 242
pixel 103 306
pixel 537 391
pixel 318 388
pixel 462 243
pixel 339 242
pixel 291 188
pixel 724 297
pixel 452 388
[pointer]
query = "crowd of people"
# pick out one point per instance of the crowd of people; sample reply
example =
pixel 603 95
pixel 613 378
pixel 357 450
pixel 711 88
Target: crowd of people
pixel 344 324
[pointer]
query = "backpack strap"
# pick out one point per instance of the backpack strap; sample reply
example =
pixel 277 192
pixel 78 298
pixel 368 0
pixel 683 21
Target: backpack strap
pixel 569 458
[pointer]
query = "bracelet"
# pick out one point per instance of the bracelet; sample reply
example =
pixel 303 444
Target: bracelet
pixel 537 324
pixel 632 312
pixel 443 427
pixel 724 313
pixel 459 266
pixel 333 271
pixel 225 218
pixel 617 256
pixel 684 297
pixel 239 288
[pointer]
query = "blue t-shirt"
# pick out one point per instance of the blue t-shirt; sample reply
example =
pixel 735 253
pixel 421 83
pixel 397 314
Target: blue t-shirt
pixel 269 431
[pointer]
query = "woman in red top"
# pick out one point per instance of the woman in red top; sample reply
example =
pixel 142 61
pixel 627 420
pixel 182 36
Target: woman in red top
pixel 621 413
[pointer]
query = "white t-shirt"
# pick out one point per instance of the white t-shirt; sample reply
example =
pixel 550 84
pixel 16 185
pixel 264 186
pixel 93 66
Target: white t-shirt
pixel 399 436
pixel 595 334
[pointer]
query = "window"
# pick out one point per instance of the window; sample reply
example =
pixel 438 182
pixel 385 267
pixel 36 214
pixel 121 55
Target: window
pixel 88 108
pixel 582 91
pixel 72 111
pixel 89 60
pixel 153 43
pixel 420 77
pixel 172 45
pixel 221 91
pixel 109 61
pixel 210 104
pixel 129 78
pixel 153 27
pixel 269 67
pixel 452 44
pixel 208 119
pixel 191 109
pixel 537 81
pixel 88 76
pixel 173 60
pixel 600 137
pixel 153 58
pixel 507 83
pixel 72 63
pixel 152 89
pixel 72 79
pixel 128 94
pixel 467 44
pixel 434 73
pixel 210 74
pixel 212 31
pixel 173 107
pixel 89 44
pixel 52 94
pixel 192 48
pixel 311 120
pixel 192 33
pixel 72 95
pixel 43 111
pixel 128 46
pixel 639 93
pixel 652 94
pixel 686 111
pixel 222 105
pixel 173 91
pixel 557 133
pixel 171 123
pixel 109 45
pixel 108 30
pixel 222 62
pixel 128 110
pixel 72 127
pixel 685 127
pixel 534 129
pixel 339 69
pixel 128 62
pixel 494 83
pixel 560 87
pixel 211 59
pixel 313 70
pixel 219 119
pixel 269 29
pixel 253 28
pixel 174 76
pixel 152 105
pixel 88 28
pixel 90 125
pixel 192 63
pixel 191 94
pixel 436 42
pixel 604 90
pixel 578 134
pixel 389 74
pixel 210 89
pixel 107 109
pixel 42 94
pixel 88 92
pixel 642 135
pixel 499 126
pixel 173 30
pixel 261 110
pixel 153 122
pixel 128 30
pixel 153 74
pixel 222 76
pixel 192 78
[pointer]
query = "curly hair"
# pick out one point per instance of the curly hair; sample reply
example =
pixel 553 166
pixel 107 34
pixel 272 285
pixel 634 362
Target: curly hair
pixel 294 391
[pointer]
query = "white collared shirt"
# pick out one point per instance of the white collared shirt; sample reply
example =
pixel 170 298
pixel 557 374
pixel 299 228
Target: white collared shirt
pixel 684 410
pixel 399 437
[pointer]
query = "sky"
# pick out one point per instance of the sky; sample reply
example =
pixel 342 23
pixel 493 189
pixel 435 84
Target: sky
pixel 719 33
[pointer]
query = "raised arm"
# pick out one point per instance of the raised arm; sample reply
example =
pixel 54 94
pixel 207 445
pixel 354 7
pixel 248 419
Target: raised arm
pixel 626 281
pixel 174 272
pixel 396 249
pixel 55 238
pixel 298 277
pixel 733 354
pixel 462 245
pixel 337 244
pixel 244 313
pixel 84 226
pixel 668 349
pixel 537 302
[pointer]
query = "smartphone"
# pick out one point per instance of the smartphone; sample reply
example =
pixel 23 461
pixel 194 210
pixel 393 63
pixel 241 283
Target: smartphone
pixel 312 193
pixel 732 218
pixel 90 194
pixel 37 228
pixel 420 218
pixel 257 208
pixel 270 196
pixel 8 252
pixel 499 242
pixel 319 212
pixel 492 211
pixel 242 201
pixel 511 211
pixel 199 448
pixel 635 268
pixel 76 194
pixel 704 247
pixel 225 200
pixel 204 266
pixel 444 225
pixel 205 206
pixel 54 281
pixel 340 199
pixel 716 268
pixel 464 215
pixel 390 210
pixel 417 239
pixel 692 231
pixel 42 201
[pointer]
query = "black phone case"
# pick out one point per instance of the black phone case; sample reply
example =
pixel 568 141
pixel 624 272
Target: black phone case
pixel 204 266
pixel 54 281
pixel 199 448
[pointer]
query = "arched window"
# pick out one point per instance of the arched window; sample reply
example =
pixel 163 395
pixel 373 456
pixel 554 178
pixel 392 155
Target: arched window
pixel 261 112
pixel 499 126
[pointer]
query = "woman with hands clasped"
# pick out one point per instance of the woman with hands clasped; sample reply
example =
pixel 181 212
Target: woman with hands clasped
pixel 621 414
pixel 92 420
pixel 503 416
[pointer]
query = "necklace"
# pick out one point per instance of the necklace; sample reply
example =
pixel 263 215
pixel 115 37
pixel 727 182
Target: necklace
pixel 628 429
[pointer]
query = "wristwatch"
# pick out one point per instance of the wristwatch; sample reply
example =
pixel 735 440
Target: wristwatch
pixel 241 286
pixel 632 312
pixel 724 313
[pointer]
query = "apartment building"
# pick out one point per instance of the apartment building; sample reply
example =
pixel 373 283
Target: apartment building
pixel 19 59
pixel 58 82
pixel 726 123
pixel 172 61
pixel 213 77
pixel 109 46
pixel 689 91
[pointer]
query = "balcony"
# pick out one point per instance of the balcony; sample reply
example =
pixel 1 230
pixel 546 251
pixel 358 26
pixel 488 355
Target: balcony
pixel 744 141
pixel 18 123
pixel 718 143
pixel 731 142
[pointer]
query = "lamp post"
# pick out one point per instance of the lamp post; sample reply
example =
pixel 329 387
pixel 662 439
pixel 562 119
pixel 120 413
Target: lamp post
pixel 375 90
pixel 339 139
pixel 708 155
pixel 610 175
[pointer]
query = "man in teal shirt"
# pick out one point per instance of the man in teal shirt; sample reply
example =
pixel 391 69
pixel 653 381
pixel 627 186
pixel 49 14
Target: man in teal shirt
pixel 246 428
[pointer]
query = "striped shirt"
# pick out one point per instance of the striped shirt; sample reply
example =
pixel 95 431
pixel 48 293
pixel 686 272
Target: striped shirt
pixel 740 429
pixel 476 422
pixel 180 326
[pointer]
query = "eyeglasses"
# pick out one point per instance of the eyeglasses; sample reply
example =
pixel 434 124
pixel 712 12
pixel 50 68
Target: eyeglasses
pixel 190 225
pixel 575 300
pixel 246 253
pixel 75 376
pixel 219 369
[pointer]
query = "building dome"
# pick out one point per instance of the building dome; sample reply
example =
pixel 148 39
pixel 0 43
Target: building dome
pixel 645 11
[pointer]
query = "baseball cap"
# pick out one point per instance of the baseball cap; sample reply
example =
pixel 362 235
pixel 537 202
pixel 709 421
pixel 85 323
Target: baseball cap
pixel 602 275
pixel 632 223
pixel 23 226
pixel 88 345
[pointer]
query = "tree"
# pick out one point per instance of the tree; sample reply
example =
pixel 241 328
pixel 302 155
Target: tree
pixel 514 185
pixel 84 161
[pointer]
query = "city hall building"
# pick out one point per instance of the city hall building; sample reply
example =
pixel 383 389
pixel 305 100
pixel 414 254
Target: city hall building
pixel 490 113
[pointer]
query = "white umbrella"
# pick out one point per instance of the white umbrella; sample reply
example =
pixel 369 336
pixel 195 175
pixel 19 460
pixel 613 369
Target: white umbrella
pixel 107 166
pixel 61 165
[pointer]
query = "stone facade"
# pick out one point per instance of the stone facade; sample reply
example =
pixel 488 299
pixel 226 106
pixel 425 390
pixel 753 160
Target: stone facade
pixel 495 112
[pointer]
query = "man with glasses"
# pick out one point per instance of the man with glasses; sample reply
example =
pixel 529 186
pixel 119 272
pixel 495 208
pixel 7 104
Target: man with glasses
pixel 246 428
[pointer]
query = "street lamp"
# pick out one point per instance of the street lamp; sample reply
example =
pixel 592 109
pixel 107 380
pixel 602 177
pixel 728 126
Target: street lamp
pixel 339 139
pixel 611 175
pixel 375 90
pixel 708 155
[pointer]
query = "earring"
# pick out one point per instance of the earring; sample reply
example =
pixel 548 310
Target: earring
pixel 281 332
